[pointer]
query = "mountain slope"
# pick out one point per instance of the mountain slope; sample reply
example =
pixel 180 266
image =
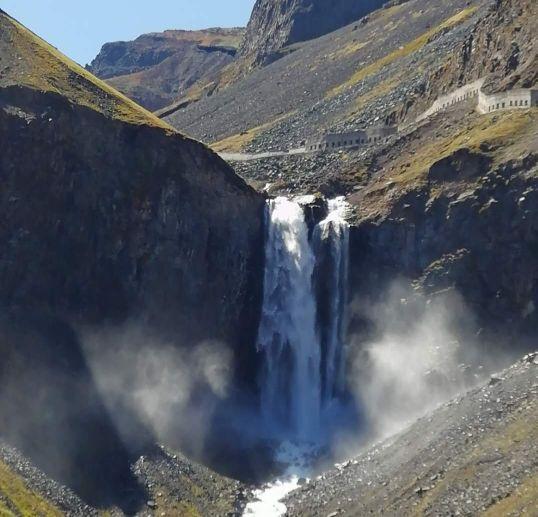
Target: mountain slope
pixel 29 61
pixel 475 455
pixel 413 194
pixel 157 69
pixel 274 25
pixel 108 216
pixel 343 80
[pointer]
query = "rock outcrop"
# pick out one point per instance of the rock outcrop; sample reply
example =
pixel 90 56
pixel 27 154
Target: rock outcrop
pixel 277 24
pixel 500 47
pixel 106 211
pixel 473 230
pixel 107 214
pixel 157 69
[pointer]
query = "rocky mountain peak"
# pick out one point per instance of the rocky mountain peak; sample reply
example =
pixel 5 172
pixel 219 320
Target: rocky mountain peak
pixel 156 69
pixel 275 24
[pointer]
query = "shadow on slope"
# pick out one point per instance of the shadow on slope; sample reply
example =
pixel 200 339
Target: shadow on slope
pixel 52 411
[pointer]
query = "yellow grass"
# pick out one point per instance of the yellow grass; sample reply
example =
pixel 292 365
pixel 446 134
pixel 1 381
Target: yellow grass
pixel 237 143
pixel 502 128
pixel 402 52
pixel 26 502
pixel 523 501
pixel 45 68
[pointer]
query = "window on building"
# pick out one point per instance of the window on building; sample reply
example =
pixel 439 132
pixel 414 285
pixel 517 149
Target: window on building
pixel 526 103
pixel 504 104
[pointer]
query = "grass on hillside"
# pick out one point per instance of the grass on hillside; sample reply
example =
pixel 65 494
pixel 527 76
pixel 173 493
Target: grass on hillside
pixel 237 142
pixel 18 500
pixel 520 430
pixel 46 69
pixel 500 129
pixel 402 52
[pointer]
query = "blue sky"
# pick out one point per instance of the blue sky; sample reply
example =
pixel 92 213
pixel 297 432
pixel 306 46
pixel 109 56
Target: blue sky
pixel 79 27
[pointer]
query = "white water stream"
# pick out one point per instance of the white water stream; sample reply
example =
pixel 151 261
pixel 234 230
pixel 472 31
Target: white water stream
pixel 291 384
pixel 335 231
pixel 302 371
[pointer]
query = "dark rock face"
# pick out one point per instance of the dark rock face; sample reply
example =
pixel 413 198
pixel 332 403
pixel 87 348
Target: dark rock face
pixel 276 24
pixel 461 165
pixel 500 47
pixel 108 217
pixel 483 242
pixel 157 69
pixel 104 220
pixel 51 410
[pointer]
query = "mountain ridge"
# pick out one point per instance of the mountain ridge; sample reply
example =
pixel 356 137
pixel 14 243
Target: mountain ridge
pixel 274 25
pixel 156 69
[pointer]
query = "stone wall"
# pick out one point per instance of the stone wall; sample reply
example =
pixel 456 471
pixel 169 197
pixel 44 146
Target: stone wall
pixel 469 91
pixel 354 139
pixel 518 98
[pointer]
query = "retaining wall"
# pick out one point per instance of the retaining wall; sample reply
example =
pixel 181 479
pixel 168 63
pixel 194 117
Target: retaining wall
pixel 469 91
pixel 522 98
pixel 354 139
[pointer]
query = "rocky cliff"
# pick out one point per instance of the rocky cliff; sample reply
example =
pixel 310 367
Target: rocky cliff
pixel 118 196
pixel 108 214
pixel 501 47
pixel 158 68
pixel 277 24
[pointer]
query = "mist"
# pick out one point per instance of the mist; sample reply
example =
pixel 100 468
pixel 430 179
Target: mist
pixel 414 353
pixel 172 390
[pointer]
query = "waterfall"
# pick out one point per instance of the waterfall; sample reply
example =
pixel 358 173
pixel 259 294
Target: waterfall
pixel 303 366
pixel 290 388
pixel 333 234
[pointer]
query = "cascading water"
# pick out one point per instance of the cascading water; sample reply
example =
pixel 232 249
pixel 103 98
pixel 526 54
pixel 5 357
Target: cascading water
pixel 303 351
pixel 290 388
pixel 303 368
pixel 333 234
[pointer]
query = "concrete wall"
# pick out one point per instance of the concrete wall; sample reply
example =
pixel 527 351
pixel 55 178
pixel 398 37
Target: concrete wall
pixel 354 139
pixel 469 91
pixel 512 99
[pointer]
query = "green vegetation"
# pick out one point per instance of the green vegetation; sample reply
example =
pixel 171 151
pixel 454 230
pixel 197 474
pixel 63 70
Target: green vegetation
pixel 402 52
pixel 40 66
pixel 15 494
